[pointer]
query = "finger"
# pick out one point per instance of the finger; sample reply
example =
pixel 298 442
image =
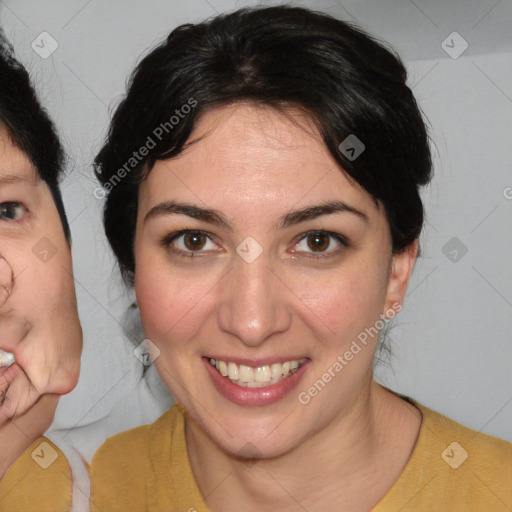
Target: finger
pixel 6 280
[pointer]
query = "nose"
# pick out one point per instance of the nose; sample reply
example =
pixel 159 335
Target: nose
pixel 254 303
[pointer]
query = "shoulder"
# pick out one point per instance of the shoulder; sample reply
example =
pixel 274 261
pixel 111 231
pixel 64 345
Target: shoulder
pixel 120 447
pixel 453 467
pixel 461 440
pixel 122 466
pixel 40 476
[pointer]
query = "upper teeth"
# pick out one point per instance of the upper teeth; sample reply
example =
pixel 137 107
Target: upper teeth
pixel 255 377
pixel 6 358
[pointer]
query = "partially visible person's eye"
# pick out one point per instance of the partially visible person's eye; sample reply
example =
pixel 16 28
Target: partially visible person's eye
pixel 320 244
pixel 12 211
pixel 189 243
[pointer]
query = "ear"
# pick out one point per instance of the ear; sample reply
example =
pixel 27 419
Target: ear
pixel 402 265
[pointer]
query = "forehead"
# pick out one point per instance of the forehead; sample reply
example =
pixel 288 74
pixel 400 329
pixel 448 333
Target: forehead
pixel 15 166
pixel 245 154
pixel 257 136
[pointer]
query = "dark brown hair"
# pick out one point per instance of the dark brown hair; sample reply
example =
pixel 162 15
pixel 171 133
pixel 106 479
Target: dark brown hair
pixel 349 83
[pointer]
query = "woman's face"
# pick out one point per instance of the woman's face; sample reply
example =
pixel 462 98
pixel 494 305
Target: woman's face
pixel 239 260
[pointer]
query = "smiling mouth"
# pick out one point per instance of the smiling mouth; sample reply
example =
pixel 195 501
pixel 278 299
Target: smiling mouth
pixel 256 377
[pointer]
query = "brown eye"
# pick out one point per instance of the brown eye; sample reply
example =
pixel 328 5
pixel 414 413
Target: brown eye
pixel 318 242
pixel 190 243
pixel 321 244
pixel 194 241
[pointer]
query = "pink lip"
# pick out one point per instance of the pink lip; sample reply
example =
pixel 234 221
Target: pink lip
pixel 254 396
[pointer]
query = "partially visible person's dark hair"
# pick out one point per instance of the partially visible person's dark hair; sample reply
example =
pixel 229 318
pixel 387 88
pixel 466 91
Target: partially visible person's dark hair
pixel 283 57
pixel 29 126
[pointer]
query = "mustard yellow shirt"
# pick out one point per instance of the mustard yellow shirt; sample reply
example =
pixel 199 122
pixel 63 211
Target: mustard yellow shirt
pixel 451 468
pixel 39 481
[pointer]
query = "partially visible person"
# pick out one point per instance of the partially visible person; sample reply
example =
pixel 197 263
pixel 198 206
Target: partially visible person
pixel 39 325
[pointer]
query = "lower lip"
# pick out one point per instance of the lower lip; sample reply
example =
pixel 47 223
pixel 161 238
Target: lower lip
pixel 254 396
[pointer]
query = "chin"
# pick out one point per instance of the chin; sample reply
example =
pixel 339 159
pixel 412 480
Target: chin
pixel 254 438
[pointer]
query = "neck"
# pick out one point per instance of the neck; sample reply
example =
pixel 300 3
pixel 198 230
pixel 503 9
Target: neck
pixel 346 463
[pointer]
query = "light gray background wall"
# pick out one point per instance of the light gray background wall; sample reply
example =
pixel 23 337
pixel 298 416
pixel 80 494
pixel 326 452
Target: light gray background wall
pixel 452 344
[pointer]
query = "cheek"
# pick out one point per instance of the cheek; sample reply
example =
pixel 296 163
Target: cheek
pixel 17 255
pixel 42 277
pixel 344 303
pixel 158 304
pixel 170 305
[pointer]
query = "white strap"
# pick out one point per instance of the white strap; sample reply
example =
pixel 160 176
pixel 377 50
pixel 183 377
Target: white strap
pixel 79 475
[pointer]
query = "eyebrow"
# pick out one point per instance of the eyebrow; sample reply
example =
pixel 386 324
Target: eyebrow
pixel 217 218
